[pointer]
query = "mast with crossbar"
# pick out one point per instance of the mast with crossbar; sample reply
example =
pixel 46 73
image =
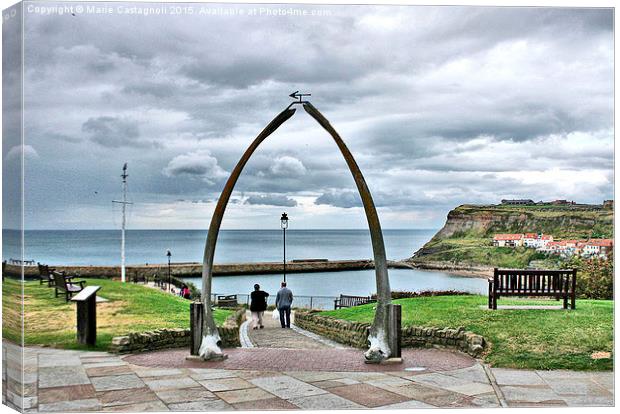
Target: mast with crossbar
pixel 123 203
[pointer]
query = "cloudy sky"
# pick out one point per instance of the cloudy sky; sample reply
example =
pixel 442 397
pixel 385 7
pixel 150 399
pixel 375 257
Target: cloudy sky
pixel 440 106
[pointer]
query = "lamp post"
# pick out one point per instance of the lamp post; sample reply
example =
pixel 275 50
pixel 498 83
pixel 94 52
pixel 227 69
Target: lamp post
pixel 169 254
pixel 284 226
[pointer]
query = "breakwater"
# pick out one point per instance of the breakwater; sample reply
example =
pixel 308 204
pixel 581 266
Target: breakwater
pixel 195 269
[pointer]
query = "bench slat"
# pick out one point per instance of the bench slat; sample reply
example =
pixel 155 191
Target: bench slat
pixel 550 283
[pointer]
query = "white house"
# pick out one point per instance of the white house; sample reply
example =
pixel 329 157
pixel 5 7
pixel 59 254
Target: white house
pixel 537 241
pixel 530 239
pixel 508 240
pixel 597 247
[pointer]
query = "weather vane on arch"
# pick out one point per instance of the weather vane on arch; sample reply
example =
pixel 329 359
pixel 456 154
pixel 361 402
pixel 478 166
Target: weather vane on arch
pixel 297 95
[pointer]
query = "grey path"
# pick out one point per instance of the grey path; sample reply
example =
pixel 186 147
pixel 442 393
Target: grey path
pixel 274 336
pixel 62 380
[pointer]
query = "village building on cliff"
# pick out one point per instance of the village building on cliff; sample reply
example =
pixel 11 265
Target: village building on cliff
pixel 544 243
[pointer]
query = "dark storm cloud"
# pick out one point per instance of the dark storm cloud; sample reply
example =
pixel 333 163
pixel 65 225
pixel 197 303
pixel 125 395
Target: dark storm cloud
pixel 112 132
pixel 271 200
pixel 439 105
pixel 344 199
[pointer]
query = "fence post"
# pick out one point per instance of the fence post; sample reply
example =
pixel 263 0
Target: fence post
pixel 310 302
pixel 195 326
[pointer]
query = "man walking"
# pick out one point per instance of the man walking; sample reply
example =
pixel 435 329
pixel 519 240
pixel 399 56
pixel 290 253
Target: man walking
pixel 258 305
pixel 284 300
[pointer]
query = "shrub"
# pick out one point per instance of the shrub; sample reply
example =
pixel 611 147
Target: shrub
pixel 595 277
pixel 425 293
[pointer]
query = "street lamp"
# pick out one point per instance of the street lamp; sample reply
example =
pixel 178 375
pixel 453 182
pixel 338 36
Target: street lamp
pixel 169 254
pixel 284 226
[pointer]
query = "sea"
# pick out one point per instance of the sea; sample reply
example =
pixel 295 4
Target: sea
pixel 102 247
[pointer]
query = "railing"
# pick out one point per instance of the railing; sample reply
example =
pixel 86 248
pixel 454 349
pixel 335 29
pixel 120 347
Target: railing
pixel 308 302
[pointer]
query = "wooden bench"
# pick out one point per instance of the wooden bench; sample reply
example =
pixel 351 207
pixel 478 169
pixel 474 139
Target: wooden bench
pixel 67 285
pixel 45 275
pixel 227 301
pixel 550 283
pixel 346 301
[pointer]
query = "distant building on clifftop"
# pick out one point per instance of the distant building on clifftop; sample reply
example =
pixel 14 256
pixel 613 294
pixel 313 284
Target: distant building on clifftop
pixel 522 202
pixel 562 202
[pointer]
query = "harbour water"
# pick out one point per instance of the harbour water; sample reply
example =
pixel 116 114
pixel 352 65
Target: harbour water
pixel 324 287
pixel 101 247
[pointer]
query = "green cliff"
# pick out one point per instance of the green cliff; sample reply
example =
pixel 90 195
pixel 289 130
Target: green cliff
pixel 465 240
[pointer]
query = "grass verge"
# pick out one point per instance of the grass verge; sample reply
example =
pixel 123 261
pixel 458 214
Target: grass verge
pixel 532 338
pixel 50 321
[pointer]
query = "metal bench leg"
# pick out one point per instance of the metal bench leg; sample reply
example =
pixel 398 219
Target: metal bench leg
pixel 490 295
pixel 495 301
pixel 573 289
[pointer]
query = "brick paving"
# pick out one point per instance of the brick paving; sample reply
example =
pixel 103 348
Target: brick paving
pixel 274 359
pixel 66 381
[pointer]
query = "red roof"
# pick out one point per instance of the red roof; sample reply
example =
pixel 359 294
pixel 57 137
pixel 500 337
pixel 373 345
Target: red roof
pixel 601 242
pixel 507 237
pixel 531 236
pixel 546 237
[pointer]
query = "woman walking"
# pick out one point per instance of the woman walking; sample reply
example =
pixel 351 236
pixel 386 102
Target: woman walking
pixel 258 305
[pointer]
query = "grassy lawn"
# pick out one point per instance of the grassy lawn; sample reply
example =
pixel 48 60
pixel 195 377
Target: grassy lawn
pixel 51 321
pixel 535 339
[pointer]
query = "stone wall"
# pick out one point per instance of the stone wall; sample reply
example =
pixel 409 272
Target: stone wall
pixel 348 333
pixel 355 334
pixel 175 338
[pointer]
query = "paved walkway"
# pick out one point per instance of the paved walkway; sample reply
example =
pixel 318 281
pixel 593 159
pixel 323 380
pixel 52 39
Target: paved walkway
pixel 63 380
pixel 274 336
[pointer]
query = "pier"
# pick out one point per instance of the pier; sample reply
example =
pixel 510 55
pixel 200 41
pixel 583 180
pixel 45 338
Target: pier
pixel 195 269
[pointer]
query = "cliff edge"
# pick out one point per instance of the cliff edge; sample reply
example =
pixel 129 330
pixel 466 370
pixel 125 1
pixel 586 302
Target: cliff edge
pixel 464 243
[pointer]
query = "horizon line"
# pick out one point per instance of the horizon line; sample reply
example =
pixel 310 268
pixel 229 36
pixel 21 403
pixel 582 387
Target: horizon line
pixel 257 229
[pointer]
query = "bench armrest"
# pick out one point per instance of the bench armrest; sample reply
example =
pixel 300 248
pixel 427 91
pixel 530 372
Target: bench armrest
pixel 78 282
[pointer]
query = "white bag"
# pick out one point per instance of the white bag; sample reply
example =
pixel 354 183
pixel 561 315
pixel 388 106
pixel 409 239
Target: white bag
pixel 275 315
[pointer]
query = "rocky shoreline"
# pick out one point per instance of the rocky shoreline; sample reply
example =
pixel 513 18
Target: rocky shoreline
pixel 457 269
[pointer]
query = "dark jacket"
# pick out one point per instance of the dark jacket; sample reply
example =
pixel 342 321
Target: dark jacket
pixel 258 302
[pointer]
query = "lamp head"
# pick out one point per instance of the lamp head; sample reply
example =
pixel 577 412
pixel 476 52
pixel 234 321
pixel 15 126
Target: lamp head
pixel 284 221
pixel 168 253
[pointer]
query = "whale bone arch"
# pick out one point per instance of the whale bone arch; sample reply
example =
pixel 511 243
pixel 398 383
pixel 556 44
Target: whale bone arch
pixel 378 338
